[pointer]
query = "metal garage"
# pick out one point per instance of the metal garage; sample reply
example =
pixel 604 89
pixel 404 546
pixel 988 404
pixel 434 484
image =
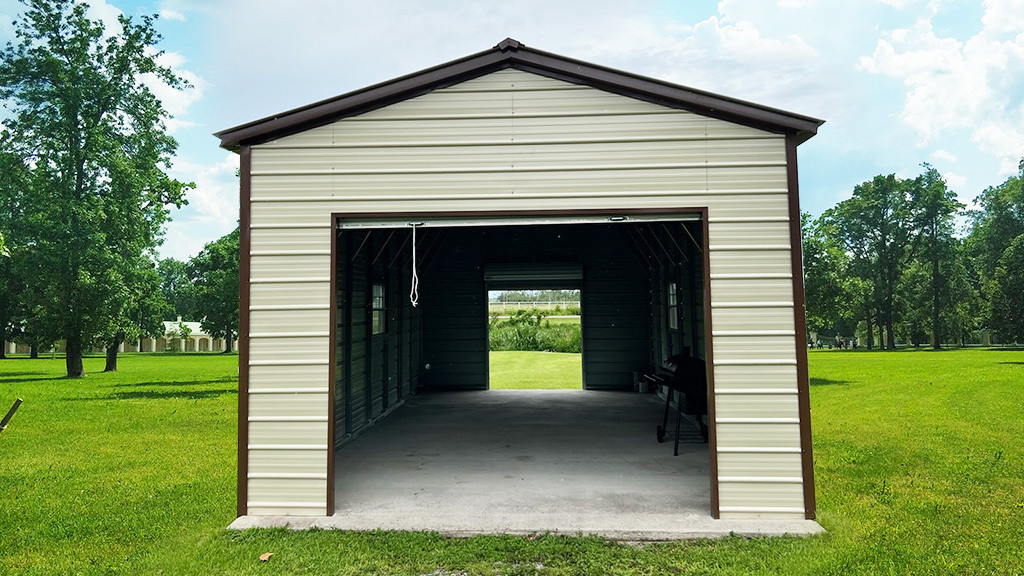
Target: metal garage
pixel 507 167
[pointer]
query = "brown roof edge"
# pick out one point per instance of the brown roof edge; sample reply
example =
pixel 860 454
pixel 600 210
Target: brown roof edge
pixel 512 54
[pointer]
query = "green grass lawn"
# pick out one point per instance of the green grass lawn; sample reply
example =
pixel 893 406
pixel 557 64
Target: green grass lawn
pixel 919 463
pixel 535 370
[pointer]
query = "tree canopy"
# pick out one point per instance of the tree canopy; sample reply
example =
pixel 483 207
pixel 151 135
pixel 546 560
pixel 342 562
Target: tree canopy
pixel 89 137
pixel 214 274
pixel 889 262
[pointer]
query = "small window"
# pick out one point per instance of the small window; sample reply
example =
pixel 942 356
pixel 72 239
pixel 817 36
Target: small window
pixel 673 307
pixel 378 309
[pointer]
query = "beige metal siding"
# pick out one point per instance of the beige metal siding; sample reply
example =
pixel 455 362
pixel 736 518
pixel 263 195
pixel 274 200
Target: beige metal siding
pixel 514 140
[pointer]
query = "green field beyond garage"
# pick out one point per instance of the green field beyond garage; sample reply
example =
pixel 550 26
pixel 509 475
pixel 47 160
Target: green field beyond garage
pixel 919 470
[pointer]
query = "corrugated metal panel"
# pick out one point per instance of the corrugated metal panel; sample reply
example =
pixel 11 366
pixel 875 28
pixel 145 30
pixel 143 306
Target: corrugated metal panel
pixel 305 433
pixel 758 435
pixel 757 405
pixel 261 377
pixel 753 318
pixel 746 347
pixel 773 262
pixel 753 377
pixel 288 405
pixel 526 157
pixel 767 465
pixel 288 492
pixel 513 140
pixel 275 461
pixel 289 321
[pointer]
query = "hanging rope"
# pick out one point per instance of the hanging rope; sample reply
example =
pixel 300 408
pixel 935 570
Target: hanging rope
pixel 414 290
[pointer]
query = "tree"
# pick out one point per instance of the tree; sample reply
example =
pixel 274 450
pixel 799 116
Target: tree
pixel 998 220
pixel 93 134
pixel 14 178
pixel 1007 293
pixel 825 267
pixel 874 226
pixel 177 288
pixel 933 208
pixel 140 316
pixel 214 273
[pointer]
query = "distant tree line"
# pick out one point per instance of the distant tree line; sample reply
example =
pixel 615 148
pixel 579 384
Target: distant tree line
pixel 205 288
pixel 539 296
pixel 889 264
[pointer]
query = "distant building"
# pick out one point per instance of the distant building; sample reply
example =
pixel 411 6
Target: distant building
pixel 171 341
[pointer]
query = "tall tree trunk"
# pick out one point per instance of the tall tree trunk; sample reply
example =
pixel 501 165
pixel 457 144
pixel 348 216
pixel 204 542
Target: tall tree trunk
pixel 890 337
pixel 871 331
pixel 936 329
pixel 111 365
pixel 228 344
pixel 33 351
pixel 73 356
pixel 3 348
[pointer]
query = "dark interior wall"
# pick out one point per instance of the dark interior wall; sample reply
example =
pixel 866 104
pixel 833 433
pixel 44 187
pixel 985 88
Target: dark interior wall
pixel 374 372
pixel 615 300
pixel 675 260
pixel 626 270
pixel 454 303
pixel 616 316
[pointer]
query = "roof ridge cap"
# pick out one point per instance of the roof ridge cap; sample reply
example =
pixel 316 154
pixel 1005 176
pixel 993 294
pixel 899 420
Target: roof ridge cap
pixel 509 44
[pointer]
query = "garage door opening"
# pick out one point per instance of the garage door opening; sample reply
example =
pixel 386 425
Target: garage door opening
pixel 535 339
pixel 526 459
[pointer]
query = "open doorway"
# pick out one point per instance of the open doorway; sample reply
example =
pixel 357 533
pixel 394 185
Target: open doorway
pixel 535 339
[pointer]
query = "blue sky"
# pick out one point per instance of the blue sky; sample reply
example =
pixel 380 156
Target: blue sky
pixel 899 82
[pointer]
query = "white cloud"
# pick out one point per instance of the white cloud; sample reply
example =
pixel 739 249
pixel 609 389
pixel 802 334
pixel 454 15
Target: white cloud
pixel 1004 16
pixel 215 197
pixel 943 155
pixel 212 209
pixel 955 181
pixel 172 15
pixel 107 14
pixel 175 101
pixel 975 85
pixel 898 4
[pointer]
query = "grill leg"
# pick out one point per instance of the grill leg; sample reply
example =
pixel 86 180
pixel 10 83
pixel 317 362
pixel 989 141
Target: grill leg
pixel 664 419
pixel 679 418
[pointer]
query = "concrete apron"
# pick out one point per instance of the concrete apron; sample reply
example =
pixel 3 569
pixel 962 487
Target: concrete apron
pixel 524 462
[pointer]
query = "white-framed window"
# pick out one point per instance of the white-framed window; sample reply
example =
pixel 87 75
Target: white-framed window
pixel 378 309
pixel 673 307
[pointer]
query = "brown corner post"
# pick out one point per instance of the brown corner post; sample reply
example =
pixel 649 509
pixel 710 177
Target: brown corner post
pixel 244 242
pixel 333 364
pixel 799 317
pixel 716 508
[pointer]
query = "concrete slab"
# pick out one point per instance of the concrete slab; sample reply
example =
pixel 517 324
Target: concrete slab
pixel 527 462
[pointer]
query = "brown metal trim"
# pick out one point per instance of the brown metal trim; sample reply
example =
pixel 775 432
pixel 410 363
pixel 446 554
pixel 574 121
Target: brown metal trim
pixel 511 54
pixel 332 366
pixel 709 362
pixel 519 213
pixel 244 243
pixel 799 315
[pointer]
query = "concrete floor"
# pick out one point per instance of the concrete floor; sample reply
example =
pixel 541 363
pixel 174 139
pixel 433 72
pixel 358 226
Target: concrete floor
pixel 523 462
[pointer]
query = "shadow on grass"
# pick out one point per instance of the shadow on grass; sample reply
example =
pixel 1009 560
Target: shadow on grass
pixel 4 380
pixel 160 395
pixel 169 395
pixel 827 382
pixel 1013 363
pixel 173 383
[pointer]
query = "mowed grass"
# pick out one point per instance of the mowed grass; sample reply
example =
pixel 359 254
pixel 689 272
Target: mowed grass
pixel 94 472
pixel 919 466
pixel 536 370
